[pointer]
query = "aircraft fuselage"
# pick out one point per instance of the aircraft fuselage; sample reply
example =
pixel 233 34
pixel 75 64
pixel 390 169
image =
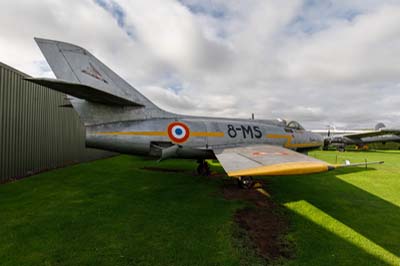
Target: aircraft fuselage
pixel 194 137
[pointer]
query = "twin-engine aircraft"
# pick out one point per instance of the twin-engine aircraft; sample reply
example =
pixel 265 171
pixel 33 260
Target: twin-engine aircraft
pixel 119 118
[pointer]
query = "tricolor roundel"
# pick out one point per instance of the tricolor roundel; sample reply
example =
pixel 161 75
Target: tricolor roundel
pixel 178 132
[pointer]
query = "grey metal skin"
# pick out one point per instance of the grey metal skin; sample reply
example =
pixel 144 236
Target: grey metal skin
pixel 142 128
pixel 194 147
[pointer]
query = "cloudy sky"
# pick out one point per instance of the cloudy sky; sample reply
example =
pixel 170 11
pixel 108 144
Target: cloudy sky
pixel 318 62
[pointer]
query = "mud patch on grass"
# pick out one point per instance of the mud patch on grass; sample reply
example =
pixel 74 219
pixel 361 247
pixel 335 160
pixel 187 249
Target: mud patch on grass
pixel 264 222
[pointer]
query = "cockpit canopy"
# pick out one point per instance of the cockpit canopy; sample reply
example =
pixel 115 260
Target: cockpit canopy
pixel 294 125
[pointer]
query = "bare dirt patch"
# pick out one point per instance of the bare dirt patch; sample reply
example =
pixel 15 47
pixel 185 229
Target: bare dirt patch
pixel 264 221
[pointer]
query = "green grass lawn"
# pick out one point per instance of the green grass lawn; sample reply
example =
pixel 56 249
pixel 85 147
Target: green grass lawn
pixel 112 212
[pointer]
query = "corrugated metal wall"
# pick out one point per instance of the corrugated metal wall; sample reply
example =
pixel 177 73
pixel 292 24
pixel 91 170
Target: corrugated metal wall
pixel 35 133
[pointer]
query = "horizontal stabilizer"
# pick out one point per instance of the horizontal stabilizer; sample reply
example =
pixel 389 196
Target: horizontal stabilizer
pixel 83 92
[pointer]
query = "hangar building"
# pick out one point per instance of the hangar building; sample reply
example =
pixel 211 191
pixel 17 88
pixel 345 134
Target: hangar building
pixel 36 133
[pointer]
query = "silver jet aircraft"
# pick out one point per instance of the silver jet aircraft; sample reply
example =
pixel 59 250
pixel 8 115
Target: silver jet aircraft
pixel 119 118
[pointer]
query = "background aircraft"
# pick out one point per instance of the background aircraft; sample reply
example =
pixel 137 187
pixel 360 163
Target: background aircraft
pixel 119 118
pixel 360 138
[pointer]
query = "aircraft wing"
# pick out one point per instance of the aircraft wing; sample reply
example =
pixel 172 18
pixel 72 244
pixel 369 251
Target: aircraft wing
pixel 373 133
pixel 268 160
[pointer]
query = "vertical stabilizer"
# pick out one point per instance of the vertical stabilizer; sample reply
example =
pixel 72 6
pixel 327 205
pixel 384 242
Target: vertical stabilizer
pixel 73 64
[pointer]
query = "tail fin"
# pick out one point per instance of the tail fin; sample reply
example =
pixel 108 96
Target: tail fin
pixel 74 65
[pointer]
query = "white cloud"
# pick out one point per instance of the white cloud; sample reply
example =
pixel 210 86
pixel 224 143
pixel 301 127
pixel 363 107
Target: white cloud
pixel 358 51
pixel 315 62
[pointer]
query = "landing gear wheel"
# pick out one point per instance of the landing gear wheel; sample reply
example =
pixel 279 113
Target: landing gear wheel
pixel 246 182
pixel 203 168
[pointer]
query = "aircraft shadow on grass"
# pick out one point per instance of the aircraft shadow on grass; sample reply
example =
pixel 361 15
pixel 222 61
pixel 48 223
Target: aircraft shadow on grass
pixel 368 215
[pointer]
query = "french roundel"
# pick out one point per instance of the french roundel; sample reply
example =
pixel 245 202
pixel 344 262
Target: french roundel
pixel 178 132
